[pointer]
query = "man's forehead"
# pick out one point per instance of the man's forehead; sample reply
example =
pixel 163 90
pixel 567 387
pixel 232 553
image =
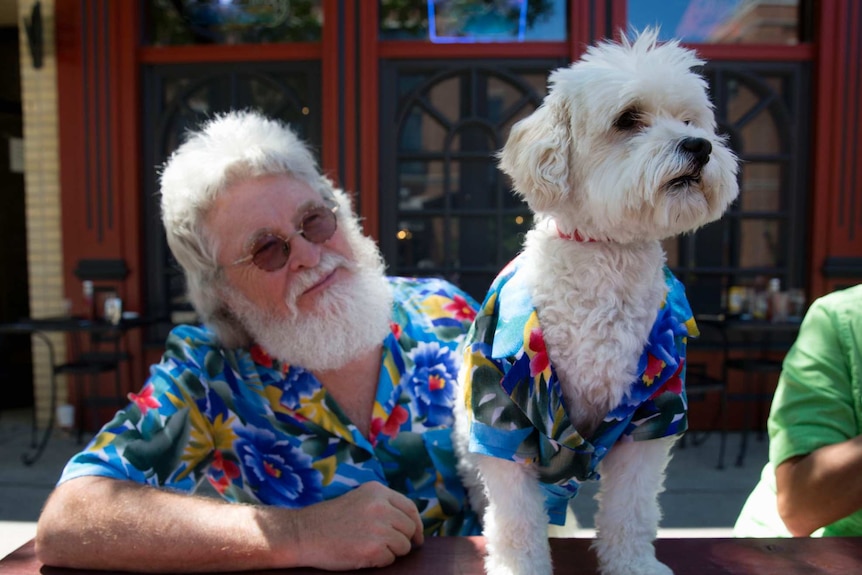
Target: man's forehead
pixel 256 206
pixel 265 197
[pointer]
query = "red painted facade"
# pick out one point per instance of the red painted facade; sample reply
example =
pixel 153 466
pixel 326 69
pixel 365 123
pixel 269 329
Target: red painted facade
pixel 99 72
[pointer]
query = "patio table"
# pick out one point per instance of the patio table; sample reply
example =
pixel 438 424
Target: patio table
pixel 463 555
pixel 40 327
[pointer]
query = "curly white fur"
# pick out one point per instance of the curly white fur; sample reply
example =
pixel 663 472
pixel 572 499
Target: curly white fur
pixel 623 150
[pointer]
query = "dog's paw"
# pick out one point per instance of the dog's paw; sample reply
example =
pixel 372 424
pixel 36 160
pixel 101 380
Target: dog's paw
pixel 644 565
pixel 518 564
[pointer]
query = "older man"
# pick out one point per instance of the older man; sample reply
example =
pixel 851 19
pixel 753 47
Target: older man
pixel 317 400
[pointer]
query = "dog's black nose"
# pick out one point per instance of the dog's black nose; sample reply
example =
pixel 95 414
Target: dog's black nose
pixel 698 148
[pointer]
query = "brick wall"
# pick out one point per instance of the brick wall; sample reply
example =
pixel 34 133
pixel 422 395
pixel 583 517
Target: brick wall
pixel 42 181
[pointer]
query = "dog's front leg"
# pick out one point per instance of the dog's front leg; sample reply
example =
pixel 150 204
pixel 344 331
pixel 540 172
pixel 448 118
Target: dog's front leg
pixel 632 476
pixel 516 523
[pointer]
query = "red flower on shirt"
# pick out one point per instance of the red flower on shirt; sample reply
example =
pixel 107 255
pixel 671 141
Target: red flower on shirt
pixel 673 383
pixel 145 400
pixel 259 356
pixel 653 368
pixel 460 309
pixel 228 467
pixel 539 362
pixel 396 329
pixel 391 426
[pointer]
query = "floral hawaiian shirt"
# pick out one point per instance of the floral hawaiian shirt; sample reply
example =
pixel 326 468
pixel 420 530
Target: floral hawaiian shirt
pixel 516 407
pixel 261 431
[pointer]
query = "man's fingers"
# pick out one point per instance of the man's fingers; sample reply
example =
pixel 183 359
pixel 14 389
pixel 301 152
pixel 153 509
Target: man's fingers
pixel 375 524
pixel 408 508
pixel 405 525
pixel 399 545
pixel 402 515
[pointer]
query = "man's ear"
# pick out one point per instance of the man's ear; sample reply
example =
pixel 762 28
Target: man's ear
pixel 537 154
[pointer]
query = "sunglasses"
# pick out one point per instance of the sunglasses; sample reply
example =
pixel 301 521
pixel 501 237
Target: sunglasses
pixel 270 251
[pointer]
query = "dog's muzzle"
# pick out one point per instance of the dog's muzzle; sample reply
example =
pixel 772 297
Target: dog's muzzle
pixel 698 149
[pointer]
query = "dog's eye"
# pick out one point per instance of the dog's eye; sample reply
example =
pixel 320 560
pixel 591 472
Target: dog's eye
pixel 628 120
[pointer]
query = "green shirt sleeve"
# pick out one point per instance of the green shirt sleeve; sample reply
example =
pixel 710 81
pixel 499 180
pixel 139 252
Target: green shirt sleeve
pixel 818 402
pixel 815 402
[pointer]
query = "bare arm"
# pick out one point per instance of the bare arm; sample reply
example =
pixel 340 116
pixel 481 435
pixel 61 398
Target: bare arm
pixel 820 488
pixel 101 523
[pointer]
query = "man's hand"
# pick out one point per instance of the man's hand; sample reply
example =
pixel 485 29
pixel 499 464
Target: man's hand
pixel 368 527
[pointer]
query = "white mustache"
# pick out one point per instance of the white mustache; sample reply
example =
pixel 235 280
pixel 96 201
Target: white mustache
pixel 304 280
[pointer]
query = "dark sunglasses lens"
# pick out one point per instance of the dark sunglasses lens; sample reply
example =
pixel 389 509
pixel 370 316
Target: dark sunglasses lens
pixel 271 253
pixel 318 225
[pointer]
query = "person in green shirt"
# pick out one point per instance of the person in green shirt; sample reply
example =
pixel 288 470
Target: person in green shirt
pixel 812 484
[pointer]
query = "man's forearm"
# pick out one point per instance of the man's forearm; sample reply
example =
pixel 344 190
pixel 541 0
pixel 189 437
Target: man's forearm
pixel 104 523
pixel 820 488
pixel 107 524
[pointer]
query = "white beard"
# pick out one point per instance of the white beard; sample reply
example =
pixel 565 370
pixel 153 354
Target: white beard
pixel 350 317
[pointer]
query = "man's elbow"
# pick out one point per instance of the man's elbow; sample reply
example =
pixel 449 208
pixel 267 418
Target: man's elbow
pixel 49 544
pixel 55 530
pixel 798 528
pixel 796 520
pixel 45 548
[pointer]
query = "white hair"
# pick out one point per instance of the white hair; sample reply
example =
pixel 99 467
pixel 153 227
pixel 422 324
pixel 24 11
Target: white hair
pixel 231 147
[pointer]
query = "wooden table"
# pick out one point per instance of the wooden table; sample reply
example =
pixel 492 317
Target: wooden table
pixel 463 555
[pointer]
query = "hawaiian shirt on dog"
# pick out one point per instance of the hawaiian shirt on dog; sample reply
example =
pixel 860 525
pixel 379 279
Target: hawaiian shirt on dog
pixel 516 405
pixel 260 431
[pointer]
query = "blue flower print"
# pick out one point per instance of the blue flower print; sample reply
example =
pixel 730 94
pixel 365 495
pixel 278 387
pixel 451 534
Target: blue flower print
pixel 278 472
pixel 299 384
pixel 430 383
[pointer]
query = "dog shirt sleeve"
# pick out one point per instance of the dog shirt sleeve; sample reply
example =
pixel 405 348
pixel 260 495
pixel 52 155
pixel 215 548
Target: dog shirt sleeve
pixel 497 427
pixel 660 391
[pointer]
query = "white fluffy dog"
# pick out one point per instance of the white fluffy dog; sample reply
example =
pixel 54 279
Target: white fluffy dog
pixel 578 353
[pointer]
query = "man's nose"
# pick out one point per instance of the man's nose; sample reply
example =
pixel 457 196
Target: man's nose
pixel 303 253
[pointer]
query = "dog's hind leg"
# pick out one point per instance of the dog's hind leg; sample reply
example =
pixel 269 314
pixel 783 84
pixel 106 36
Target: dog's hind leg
pixel 516 522
pixel 632 476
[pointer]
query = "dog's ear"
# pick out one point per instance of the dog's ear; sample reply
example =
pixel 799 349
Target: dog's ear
pixel 537 154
